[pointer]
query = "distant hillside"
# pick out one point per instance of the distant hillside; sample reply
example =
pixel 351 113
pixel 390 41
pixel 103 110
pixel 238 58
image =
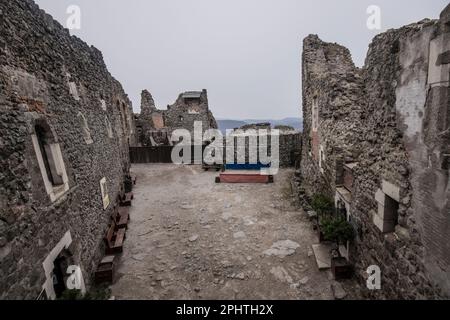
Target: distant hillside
pixel 229 124
pixel 296 123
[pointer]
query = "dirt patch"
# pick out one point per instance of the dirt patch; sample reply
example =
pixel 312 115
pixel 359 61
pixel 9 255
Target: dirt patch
pixel 190 238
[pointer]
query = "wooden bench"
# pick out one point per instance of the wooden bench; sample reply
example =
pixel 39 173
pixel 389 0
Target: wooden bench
pixel 114 239
pixel 105 270
pixel 121 217
pixel 125 201
pixel 243 176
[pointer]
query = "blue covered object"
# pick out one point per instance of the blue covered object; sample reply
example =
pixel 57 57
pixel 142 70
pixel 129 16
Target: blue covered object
pixel 246 166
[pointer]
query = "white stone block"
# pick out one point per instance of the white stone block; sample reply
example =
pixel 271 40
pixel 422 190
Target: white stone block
pixel 438 74
pixel 380 197
pixel 103 103
pixel 74 91
pixel 385 226
pixel 391 190
pixel 380 211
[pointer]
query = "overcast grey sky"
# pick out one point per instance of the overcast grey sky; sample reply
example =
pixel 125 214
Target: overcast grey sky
pixel 247 53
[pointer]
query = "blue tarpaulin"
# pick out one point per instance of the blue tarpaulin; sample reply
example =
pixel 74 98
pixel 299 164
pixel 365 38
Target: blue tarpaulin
pixel 246 166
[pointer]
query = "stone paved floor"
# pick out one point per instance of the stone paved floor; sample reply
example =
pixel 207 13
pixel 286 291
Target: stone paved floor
pixel 190 238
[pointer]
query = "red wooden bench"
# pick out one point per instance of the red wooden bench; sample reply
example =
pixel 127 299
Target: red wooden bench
pixel 125 201
pixel 243 176
pixel 114 239
pixel 105 270
pixel 121 217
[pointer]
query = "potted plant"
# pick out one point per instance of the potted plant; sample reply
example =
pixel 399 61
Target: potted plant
pixel 323 206
pixel 339 231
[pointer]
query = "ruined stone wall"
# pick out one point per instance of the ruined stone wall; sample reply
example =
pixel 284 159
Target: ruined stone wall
pixel 289 146
pixel 402 137
pixel 333 86
pixel 399 157
pixel 185 111
pixel 156 126
pixel 149 121
pixel 51 80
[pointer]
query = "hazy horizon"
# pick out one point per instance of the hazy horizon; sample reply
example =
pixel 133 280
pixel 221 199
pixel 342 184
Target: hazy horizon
pixel 247 54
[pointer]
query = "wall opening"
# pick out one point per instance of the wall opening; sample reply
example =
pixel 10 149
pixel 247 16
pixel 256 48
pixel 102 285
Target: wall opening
pixel 105 194
pixel 57 265
pixel 315 114
pixel 321 158
pixel 85 129
pixel 108 127
pixel 59 273
pixel 391 210
pixel 125 118
pixel 386 217
pixel 50 160
pixel 47 156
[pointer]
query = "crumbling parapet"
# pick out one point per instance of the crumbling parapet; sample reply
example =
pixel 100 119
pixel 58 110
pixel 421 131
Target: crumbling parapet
pixel 332 87
pixel 189 107
pixel 147 103
pixel 155 126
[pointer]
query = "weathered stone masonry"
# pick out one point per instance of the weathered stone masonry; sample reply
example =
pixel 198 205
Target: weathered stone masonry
pixel 66 124
pixel 251 136
pixel 379 145
pixel 155 126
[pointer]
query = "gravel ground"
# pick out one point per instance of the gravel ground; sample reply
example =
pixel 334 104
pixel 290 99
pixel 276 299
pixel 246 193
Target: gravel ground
pixel 190 238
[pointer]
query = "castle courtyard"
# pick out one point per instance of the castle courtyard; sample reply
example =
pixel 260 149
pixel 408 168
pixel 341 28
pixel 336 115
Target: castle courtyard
pixel 190 238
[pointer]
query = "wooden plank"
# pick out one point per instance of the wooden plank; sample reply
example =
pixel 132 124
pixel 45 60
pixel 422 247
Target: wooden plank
pixel 122 222
pixel 243 172
pixel 124 211
pixel 107 260
pixel 120 238
pixel 322 253
pixel 126 200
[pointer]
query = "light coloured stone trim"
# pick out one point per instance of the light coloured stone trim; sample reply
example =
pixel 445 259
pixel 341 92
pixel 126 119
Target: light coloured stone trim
pixel 54 191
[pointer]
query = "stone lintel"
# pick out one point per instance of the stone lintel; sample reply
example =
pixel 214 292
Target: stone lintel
pixel 391 190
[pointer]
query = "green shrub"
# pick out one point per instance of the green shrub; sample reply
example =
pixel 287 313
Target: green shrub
pixel 337 229
pixel 322 204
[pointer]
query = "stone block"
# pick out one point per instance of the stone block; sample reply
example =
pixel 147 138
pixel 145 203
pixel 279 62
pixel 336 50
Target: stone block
pixel 391 190
pixel 402 233
pixel 385 226
pixel 438 73
pixel 380 197
pixel 322 253
pixel 445 15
